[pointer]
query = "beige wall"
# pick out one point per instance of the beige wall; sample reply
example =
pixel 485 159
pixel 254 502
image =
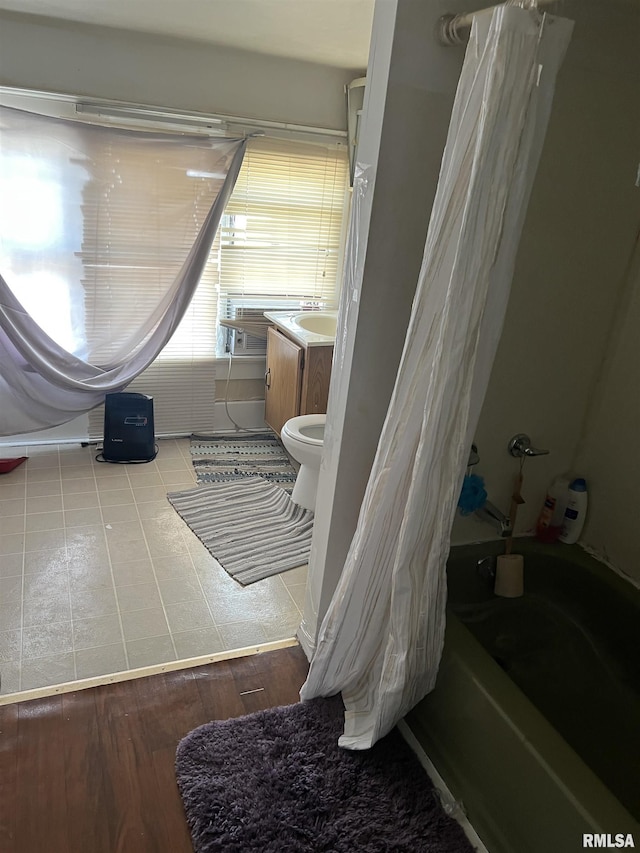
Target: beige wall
pixel 62 56
pixel 239 389
pixel 609 455
pixel 578 236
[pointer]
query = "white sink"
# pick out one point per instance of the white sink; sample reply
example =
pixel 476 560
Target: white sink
pixel 308 328
pixel 317 322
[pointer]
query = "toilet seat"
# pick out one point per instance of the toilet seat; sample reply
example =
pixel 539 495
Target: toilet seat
pixel 308 429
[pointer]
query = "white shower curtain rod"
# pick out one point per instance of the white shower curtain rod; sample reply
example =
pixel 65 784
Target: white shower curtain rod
pixel 453 30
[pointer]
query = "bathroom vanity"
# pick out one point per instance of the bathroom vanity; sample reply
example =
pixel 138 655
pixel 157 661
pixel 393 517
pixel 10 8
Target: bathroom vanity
pixel 299 354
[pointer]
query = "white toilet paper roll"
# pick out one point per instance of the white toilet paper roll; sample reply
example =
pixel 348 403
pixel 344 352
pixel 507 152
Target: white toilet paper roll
pixel 509 576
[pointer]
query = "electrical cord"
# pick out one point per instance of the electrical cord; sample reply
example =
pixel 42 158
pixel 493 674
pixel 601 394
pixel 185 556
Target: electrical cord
pixel 100 458
pixel 226 404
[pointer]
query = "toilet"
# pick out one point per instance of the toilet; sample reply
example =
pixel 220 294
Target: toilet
pixel 303 438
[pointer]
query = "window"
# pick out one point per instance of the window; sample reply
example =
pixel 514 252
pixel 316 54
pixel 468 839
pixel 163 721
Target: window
pixel 39 237
pixel 280 236
pixel 278 246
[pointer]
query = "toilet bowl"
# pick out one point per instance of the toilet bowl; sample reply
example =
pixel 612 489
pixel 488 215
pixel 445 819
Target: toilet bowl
pixel 303 438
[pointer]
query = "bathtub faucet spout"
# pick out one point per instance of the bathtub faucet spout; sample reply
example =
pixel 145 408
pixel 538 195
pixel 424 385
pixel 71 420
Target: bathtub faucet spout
pixel 493 516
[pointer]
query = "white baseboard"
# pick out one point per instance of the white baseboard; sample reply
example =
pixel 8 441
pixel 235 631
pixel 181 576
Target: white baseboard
pixel 72 432
pixel 249 414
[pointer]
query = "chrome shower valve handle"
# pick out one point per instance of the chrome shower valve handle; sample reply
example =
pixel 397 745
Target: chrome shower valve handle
pixel 520 445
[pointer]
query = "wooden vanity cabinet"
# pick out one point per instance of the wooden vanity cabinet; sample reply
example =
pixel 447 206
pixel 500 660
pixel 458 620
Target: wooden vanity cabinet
pixel 296 380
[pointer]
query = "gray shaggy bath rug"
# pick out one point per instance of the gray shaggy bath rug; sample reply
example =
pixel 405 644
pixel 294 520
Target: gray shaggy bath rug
pixel 277 782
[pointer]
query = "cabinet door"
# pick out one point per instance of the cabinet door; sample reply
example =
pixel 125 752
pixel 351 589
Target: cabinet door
pixel 315 381
pixel 283 380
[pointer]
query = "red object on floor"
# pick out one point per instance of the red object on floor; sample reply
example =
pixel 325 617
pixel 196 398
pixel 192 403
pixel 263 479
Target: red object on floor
pixel 7 465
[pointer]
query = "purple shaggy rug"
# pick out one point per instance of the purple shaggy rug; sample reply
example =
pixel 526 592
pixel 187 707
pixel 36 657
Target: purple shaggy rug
pixel 277 782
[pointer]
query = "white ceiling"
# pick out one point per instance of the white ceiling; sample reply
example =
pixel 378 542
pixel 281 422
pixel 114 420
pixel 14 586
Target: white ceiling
pixel 331 32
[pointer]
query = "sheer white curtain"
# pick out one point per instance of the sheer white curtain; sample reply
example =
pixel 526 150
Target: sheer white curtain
pixel 381 640
pixel 91 286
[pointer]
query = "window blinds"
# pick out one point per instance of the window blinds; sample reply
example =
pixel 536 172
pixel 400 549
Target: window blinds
pixel 175 200
pixel 280 236
pixel 278 246
pixel 182 379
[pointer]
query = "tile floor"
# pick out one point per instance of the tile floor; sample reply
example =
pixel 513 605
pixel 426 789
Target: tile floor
pixel 99 574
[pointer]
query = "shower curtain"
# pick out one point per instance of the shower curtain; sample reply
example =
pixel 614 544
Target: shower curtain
pixel 61 184
pixel 381 639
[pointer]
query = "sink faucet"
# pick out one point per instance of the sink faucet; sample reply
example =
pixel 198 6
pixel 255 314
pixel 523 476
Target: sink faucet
pixel 492 515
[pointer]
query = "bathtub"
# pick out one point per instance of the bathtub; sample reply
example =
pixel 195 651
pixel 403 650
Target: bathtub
pixel 534 722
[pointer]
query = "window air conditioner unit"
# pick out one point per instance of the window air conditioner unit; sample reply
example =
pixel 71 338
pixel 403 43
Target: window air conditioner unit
pixel 242 343
pixel 239 341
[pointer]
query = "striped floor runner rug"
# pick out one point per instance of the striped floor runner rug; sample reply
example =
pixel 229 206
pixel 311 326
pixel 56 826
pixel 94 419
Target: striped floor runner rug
pixel 252 527
pixel 236 456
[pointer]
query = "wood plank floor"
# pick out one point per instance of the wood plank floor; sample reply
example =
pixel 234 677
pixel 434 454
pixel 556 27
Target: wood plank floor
pixel 93 771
